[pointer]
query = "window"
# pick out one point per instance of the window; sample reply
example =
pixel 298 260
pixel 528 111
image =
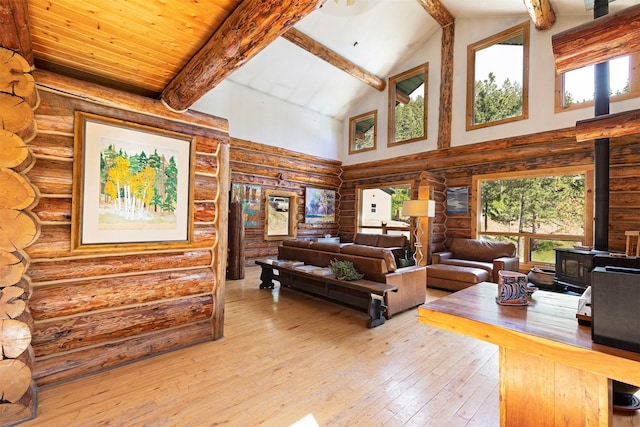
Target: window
pixel 498 78
pixel 576 88
pixel 408 106
pixel 538 211
pixel 363 132
pixel 380 209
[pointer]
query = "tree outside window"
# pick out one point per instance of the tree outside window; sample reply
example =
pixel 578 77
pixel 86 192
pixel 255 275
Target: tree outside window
pixel 576 88
pixel 538 214
pixel 497 78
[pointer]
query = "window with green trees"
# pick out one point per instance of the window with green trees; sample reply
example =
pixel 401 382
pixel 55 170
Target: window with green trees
pixel 408 106
pixel 576 88
pixel 497 78
pixel 539 212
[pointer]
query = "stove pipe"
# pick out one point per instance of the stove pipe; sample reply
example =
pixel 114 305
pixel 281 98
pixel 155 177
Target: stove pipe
pixel 601 146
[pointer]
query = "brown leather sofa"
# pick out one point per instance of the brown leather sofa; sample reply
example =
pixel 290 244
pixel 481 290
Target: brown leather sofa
pixel 468 261
pixel 372 255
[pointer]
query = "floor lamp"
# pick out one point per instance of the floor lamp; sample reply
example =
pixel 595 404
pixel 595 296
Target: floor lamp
pixel 418 209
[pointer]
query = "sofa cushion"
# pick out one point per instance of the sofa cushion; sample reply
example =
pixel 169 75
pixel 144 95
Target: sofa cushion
pixel 391 241
pixel 487 266
pixel 459 274
pixel 480 250
pixel 366 239
pixel 326 246
pixel 297 243
pixel 372 252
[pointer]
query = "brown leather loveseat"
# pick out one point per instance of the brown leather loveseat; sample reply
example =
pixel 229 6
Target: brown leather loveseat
pixel 372 255
pixel 469 261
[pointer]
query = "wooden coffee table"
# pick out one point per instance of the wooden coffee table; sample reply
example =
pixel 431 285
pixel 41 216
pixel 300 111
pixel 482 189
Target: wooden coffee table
pixel 551 372
pixel 361 293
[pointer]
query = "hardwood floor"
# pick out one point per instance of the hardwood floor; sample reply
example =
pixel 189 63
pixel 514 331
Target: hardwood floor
pixel 291 359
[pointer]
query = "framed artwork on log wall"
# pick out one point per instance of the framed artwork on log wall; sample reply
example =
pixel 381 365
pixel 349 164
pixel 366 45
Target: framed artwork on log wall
pixel 249 195
pixel 132 186
pixel 319 206
pixel 458 200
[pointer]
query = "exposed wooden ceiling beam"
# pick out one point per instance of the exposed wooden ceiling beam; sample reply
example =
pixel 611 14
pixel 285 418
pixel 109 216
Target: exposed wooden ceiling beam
pixel 321 51
pixel 541 13
pixel 15 34
pixel 249 29
pixel 596 41
pixel 437 12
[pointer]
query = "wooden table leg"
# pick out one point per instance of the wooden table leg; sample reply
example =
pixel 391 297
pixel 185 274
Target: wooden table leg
pixel 536 391
pixel 376 310
pixel 266 277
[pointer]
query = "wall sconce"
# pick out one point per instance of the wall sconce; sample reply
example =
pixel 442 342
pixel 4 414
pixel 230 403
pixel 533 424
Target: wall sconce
pixel 419 209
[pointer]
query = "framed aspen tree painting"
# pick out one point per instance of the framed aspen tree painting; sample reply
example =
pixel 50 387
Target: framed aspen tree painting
pixel 132 186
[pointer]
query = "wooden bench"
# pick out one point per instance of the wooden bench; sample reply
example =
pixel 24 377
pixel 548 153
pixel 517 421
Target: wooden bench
pixel 364 294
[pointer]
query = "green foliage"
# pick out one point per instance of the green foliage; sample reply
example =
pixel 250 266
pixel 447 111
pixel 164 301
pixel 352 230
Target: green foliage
pixel 398 195
pixel 344 270
pixel 493 103
pixel 410 119
pixel 171 186
pixel 547 205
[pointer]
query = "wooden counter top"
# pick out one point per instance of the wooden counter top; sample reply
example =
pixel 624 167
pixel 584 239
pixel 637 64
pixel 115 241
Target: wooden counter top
pixel 546 328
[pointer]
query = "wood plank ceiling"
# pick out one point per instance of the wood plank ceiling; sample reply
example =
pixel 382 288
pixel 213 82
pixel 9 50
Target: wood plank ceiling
pixel 136 45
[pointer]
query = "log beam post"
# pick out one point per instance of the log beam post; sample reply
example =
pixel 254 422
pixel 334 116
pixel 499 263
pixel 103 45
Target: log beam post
pixel 15 34
pixel 443 17
pixel 249 29
pixel 596 41
pixel 541 13
pixel 321 51
pixel 437 11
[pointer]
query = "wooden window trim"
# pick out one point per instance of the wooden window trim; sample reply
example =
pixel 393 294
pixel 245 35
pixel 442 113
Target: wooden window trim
pixel 634 88
pixel 589 195
pixel 352 131
pixel 391 135
pixel 471 66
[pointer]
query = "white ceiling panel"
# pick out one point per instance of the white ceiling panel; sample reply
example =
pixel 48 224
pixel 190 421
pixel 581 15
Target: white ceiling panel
pixel 376 35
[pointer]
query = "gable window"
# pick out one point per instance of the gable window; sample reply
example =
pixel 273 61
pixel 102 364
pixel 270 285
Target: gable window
pixel 498 78
pixel 538 211
pixel 363 132
pixel 576 88
pixel 408 106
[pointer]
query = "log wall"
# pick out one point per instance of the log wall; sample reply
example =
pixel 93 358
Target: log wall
pixel 456 166
pixel 95 310
pixel 279 169
pixel 18 230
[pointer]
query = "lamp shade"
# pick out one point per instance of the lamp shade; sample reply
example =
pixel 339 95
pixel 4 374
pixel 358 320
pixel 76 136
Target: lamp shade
pixel 418 208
